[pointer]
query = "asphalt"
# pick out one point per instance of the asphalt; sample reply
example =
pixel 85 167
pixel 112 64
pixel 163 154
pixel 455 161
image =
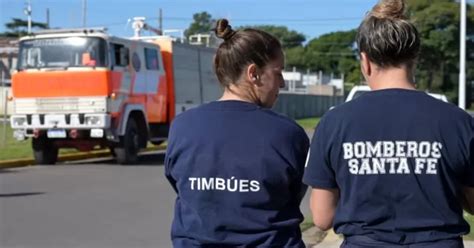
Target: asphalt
pixel 15 163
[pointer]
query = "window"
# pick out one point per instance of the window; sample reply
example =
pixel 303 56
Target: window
pixel 62 52
pixel 120 55
pixel 151 57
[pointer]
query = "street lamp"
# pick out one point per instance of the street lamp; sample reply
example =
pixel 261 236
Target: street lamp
pixel 27 12
pixel 462 58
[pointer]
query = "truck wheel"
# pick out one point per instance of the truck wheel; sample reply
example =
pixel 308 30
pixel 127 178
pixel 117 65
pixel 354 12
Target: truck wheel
pixel 112 151
pixel 127 150
pixel 157 143
pixel 44 151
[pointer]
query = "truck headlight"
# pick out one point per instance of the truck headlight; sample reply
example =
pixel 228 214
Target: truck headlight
pixel 93 120
pixel 18 121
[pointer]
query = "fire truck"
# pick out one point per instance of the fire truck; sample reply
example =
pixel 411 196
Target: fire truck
pixel 85 89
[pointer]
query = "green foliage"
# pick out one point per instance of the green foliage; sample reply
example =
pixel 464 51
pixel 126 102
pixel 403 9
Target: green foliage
pixel 11 148
pixel 438 65
pixel 334 53
pixel 203 23
pixel 438 24
pixel 295 57
pixel 19 27
pixel 308 123
pixel 470 219
pixel 288 38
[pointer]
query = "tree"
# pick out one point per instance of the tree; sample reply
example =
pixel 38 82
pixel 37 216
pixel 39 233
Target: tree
pixel 295 57
pixel 203 23
pixel 334 53
pixel 18 27
pixel 288 38
pixel 438 24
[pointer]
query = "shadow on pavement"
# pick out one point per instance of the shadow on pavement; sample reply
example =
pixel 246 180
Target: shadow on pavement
pixel 7 171
pixel 144 159
pixel 21 194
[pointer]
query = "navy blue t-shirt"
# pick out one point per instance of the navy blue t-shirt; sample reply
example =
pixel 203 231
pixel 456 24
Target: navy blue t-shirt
pixel 237 170
pixel 399 158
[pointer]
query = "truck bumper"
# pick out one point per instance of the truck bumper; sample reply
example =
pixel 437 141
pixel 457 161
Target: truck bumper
pixel 58 122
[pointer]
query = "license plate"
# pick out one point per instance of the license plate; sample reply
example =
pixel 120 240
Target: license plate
pixel 57 133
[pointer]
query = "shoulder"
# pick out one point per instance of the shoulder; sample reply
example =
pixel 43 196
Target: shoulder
pixel 183 120
pixel 451 116
pixel 452 110
pixel 283 123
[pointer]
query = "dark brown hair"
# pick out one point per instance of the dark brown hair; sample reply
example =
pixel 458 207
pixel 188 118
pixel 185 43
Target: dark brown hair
pixel 241 48
pixel 387 37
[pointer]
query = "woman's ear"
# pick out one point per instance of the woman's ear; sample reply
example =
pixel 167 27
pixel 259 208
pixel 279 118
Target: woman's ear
pixel 251 74
pixel 365 64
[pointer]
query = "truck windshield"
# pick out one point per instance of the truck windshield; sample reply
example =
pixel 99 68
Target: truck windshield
pixel 62 52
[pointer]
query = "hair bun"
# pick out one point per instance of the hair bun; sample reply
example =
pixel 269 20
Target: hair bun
pixel 223 29
pixel 391 9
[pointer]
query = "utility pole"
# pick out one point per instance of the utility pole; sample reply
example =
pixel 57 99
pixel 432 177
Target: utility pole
pixel 160 24
pixel 27 12
pixel 47 17
pixel 462 58
pixel 84 12
pixel 5 112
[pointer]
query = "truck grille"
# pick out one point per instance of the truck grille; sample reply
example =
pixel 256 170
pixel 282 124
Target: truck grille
pixel 60 105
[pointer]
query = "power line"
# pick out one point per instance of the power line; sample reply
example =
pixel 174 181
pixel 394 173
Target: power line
pixel 322 21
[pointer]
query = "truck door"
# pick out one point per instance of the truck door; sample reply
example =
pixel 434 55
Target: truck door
pixel 156 105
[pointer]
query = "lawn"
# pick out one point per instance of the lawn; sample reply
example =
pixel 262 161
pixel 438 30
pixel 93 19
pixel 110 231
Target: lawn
pixel 308 123
pixel 307 223
pixel 11 148
pixel 470 220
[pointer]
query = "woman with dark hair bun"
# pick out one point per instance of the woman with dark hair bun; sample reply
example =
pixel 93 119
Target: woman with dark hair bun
pixel 235 165
pixel 394 167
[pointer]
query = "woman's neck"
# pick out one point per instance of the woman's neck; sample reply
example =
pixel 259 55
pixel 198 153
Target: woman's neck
pixel 391 78
pixel 239 94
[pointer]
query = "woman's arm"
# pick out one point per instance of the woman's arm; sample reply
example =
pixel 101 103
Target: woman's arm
pixel 323 205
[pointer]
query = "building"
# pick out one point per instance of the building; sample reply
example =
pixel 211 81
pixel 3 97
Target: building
pixel 313 83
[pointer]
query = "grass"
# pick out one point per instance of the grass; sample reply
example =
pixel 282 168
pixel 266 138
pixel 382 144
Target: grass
pixel 306 224
pixel 10 147
pixel 308 123
pixel 14 149
pixel 470 219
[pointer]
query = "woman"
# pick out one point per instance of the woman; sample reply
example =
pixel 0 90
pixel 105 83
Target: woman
pixel 236 165
pixel 394 167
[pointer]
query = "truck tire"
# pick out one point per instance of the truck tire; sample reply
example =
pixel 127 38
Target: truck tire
pixel 126 152
pixel 112 151
pixel 44 151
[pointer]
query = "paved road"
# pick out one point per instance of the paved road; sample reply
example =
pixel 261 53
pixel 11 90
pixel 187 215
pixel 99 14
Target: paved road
pixel 94 204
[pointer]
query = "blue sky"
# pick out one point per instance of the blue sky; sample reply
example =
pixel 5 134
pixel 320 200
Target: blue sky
pixel 310 17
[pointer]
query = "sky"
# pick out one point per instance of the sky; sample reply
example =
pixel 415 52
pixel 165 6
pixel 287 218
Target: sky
pixel 309 17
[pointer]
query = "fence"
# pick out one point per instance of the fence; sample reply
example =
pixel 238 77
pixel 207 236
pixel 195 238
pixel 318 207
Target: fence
pixel 298 106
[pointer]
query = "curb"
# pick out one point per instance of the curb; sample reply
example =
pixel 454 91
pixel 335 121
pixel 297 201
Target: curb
pixel 15 163
pixel 315 238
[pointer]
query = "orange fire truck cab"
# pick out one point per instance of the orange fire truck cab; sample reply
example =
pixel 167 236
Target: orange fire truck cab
pixel 84 89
